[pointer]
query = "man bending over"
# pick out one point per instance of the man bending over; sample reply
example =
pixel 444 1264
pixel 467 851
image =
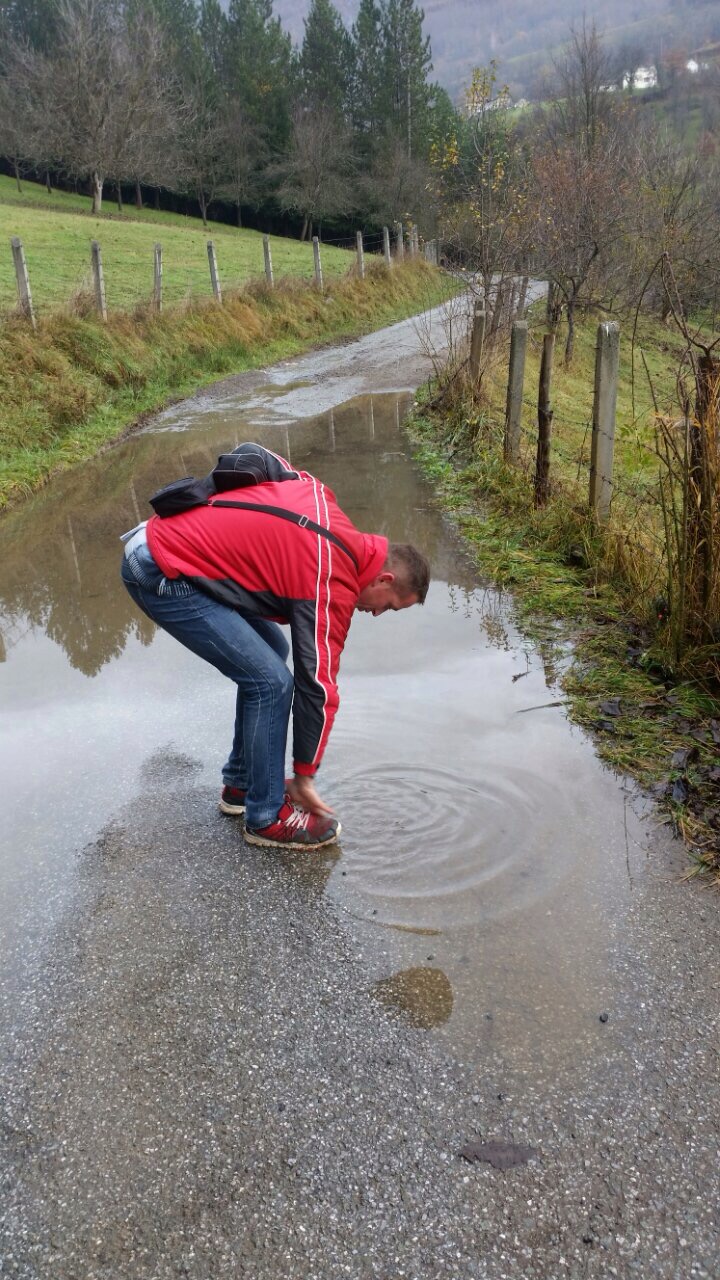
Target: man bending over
pixel 220 578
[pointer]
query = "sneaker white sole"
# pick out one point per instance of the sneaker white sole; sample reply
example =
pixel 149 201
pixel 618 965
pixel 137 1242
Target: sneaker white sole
pixel 252 838
pixel 234 809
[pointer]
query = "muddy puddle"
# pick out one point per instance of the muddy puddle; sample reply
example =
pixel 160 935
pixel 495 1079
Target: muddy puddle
pixel 487 858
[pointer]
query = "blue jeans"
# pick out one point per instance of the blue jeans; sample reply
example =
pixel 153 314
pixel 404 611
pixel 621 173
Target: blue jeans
pixel 252 652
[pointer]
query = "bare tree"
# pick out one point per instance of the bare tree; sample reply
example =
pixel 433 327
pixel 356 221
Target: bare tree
pixel 316 176
pixel 200 156
pixel 14 134
pixel 396 187
pixel 481 179
pixel 581 104
pixel 102 99
pixel 581 205
pixel 244 154
pixel 584 181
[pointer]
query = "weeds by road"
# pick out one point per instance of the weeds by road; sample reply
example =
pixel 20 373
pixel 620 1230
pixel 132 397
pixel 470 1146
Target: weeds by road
pixel 75 383
pixel 573 580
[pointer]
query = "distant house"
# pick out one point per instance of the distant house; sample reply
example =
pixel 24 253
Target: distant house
pixel 641 78
pixel 707 56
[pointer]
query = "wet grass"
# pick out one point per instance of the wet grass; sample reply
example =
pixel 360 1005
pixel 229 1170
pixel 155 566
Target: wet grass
pixel 582 592
pixel 73 385
pixel 56 231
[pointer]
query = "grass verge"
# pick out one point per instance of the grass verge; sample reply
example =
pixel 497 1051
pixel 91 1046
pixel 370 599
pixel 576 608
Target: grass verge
pixel 572 586
pixel 74 384
pixel 56 231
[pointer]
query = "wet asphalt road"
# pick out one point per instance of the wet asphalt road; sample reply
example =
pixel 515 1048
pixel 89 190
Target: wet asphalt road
pixel 199 1076
pixel 202 1085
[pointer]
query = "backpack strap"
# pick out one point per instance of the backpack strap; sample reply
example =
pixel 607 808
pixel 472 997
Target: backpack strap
pixel 294 518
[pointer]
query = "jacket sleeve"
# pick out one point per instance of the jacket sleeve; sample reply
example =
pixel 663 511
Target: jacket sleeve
pixel 319 629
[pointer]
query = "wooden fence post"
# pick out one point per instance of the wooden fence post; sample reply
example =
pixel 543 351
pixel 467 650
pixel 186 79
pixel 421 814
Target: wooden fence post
pixel 399 242
pixel 477 342
pixel 516 380
pixel 98 278
pixel 545 417
pixel 360 254
pixel 386 247
pixel 268 261
pixel 214 277
pixel 157 278
pixel 23 280
pixel 318 263
pixel 607 361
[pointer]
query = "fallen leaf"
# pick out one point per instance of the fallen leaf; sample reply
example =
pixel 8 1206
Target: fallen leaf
pixel 611 707
pixel 680 791
pixel 683 757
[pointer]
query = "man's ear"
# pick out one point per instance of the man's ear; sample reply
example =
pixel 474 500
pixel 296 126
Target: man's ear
pixel 385 576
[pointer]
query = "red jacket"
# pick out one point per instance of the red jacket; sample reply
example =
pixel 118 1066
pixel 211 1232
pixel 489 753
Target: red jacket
pixel 268 567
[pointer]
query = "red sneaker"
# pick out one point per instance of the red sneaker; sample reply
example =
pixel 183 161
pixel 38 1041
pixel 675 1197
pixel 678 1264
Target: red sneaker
pixel 232 800
pixel 295 829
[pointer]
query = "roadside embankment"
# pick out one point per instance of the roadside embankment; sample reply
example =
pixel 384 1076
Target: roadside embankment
pixel 74 384
pixel 594 596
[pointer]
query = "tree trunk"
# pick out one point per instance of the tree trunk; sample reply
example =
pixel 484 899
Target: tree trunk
pixel 138 195
pixel 17 175
pixel 97 193
pixel 523 298
pixel 48 183
pixel 570 342
pixel 157 198
pixel 545 417
pixel 304 231
pixel 203 207
pixel 119 198
pixel 239 214
pixel 702 464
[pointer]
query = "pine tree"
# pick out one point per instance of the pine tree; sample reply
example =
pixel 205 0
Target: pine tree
pixel 326 59
pixel 405 93
pixel 367 39
pixel 260 70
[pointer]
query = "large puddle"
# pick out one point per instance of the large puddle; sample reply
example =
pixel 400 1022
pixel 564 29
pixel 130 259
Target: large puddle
pixel 486 856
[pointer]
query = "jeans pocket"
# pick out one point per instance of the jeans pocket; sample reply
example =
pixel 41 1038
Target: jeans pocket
pixel 143 569
pixel 174 587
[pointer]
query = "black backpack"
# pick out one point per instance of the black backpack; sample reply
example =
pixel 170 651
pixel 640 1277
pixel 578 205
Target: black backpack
pixel 183 495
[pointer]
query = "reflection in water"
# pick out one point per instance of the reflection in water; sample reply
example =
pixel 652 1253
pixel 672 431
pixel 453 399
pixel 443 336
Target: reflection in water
pixel 453 817
pixel 60 552
pixel 423 996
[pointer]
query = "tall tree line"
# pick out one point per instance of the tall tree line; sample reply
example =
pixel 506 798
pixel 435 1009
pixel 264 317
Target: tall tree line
pixel 216 104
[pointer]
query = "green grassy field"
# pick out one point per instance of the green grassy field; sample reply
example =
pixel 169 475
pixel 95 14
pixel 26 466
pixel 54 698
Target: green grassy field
pixel 56 231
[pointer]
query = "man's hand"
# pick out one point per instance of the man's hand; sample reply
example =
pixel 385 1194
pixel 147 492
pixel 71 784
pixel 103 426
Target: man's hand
pixel 301 790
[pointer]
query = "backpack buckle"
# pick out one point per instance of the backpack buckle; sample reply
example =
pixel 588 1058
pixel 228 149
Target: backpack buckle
pixel 303 521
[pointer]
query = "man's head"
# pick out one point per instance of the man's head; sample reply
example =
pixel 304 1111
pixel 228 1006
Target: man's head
pixel 403 580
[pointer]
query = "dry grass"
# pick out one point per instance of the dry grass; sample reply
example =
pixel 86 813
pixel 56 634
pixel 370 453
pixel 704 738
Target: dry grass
pixel 75 383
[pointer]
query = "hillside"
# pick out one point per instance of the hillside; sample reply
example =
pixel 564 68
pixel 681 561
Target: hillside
pixel 56 231
pixel 522 35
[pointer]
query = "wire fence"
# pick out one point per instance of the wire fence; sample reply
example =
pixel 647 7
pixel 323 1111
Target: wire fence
pixel 123 274
pixel 620 478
